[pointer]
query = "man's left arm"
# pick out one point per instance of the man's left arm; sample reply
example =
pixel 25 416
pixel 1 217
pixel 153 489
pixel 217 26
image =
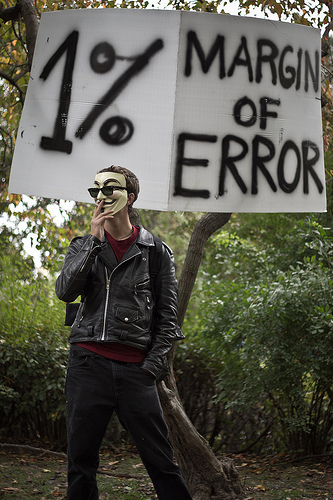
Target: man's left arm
pixel 165 328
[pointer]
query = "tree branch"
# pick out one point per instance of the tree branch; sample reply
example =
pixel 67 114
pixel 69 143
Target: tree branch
pixel 204 228
pixel 25 9
pixel 31 449
pixel 31 25
pixel 12 82
pixel 63 456
pixel 10 14
pixel 325 40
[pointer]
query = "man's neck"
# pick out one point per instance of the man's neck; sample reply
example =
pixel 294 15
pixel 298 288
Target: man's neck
pixel 119 227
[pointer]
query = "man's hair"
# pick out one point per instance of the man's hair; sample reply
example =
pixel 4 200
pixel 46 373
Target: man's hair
pixel 132 182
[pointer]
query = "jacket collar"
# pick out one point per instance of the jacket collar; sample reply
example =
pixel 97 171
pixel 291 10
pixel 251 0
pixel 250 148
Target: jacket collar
pixel 145 238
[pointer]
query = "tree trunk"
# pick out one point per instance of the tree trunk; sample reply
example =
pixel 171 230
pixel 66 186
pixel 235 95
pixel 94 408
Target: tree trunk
pixel 207 477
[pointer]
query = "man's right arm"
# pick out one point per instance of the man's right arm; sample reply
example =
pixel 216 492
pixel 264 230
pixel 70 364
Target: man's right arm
pixel 79 259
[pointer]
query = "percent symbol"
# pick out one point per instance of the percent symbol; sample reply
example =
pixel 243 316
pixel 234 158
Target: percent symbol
pixel 115 130
pixel 139 63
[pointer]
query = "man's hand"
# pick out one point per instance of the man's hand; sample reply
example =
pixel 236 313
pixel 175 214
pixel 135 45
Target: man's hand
pixel 98 221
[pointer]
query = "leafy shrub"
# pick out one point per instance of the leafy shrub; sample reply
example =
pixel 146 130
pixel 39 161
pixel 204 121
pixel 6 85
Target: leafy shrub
pixel 33 352
pixel 206 397
pixel 32 384
pixel 272 331
pixel 288 354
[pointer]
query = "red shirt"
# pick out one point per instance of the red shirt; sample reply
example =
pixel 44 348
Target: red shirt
pixel 117 351
pixel 121 246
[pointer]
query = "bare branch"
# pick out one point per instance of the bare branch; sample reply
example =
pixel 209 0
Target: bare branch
pixel 326 35
pixel 31 25
pixel 204 228
pixel 12 82
pixel 21 74
pixel 10 14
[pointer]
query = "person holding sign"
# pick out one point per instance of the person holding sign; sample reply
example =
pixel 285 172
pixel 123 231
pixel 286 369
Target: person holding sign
pixel 121 334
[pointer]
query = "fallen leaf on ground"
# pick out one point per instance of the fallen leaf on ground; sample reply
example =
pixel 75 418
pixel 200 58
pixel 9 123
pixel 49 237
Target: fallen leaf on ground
pixel 259 487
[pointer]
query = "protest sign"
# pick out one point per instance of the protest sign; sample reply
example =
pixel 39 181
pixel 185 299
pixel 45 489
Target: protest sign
pixel 212 112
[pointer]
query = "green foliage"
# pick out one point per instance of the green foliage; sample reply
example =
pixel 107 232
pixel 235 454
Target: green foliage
pixel 175 228
pixel 300 12
pixel 31 390
pixel 308 13
pixel 28 304
pixel 268 319
pixel 33 352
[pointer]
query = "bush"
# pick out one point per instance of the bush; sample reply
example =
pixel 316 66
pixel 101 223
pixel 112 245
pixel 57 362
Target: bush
pixel 33 352
pixel 272 332
pixel 288 354
pixel 206 393
pixel 31 397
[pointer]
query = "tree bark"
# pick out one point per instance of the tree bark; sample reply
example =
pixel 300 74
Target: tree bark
pixel 31 26
pixel 207 477
pixel 204 228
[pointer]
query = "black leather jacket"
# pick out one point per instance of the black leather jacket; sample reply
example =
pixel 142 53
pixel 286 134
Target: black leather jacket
pixel 117 300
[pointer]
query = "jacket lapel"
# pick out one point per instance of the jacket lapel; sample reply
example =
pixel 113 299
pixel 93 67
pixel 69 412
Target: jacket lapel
pixel 109 258
pixel 107 255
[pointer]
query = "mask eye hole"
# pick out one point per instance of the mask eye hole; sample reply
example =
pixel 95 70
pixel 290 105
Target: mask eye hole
pixel 106 190
pixel 93 192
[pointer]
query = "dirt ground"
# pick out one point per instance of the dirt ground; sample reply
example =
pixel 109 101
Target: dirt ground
pixel 29 474
pixel 280 477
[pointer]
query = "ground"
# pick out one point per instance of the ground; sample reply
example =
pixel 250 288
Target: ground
pixel 28 474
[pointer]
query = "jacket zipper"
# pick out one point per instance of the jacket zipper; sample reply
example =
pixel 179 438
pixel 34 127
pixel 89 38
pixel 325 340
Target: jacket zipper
pixel 108 280
pixel 139 286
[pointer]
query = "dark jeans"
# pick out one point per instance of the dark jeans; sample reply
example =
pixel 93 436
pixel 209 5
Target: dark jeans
pixel 95 388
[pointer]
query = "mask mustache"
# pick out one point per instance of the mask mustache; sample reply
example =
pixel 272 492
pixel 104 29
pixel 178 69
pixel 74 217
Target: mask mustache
pixel 107 205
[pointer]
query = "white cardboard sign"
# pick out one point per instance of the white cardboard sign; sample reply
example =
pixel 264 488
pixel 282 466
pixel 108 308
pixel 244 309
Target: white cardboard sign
pixel 212 112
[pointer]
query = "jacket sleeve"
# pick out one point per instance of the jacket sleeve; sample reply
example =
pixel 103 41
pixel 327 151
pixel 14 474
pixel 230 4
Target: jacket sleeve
pixel 165 328
pixel 79 259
